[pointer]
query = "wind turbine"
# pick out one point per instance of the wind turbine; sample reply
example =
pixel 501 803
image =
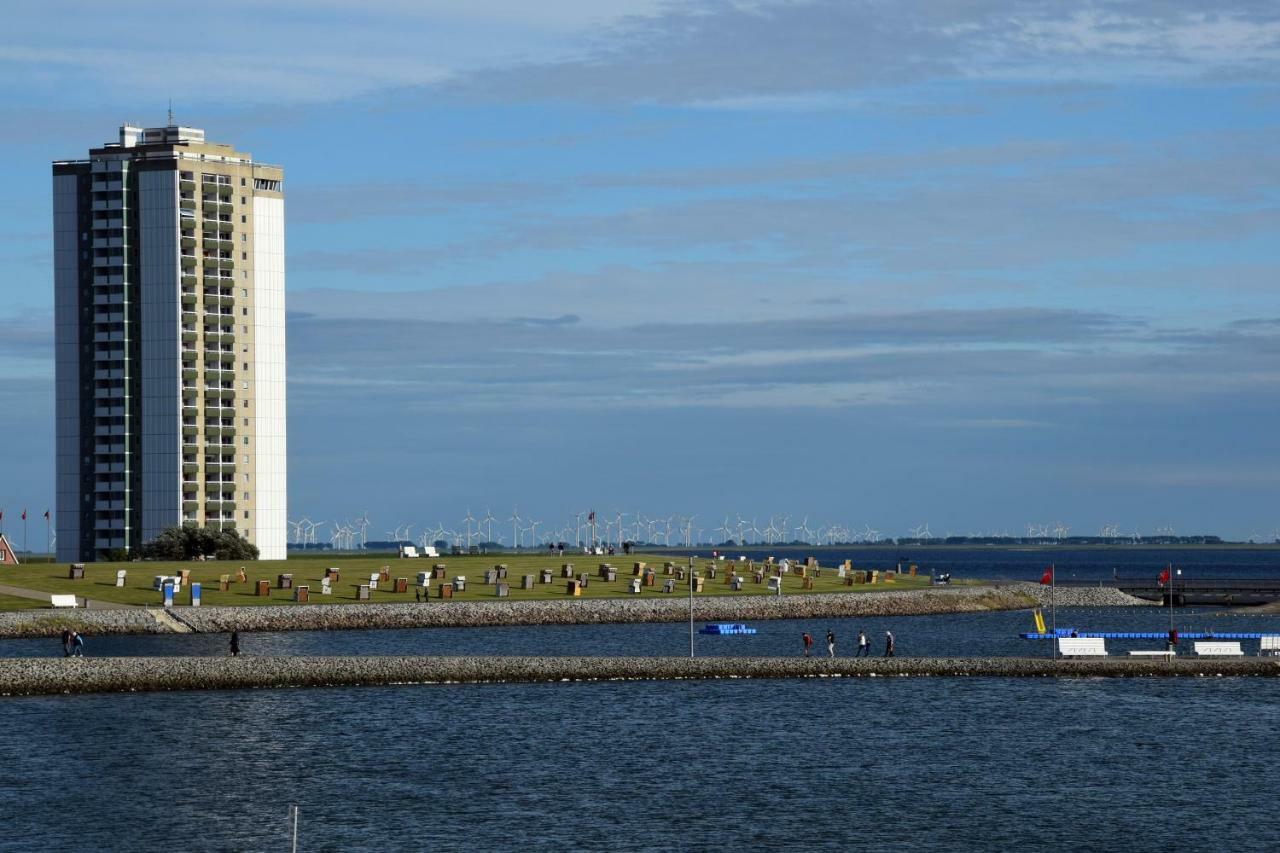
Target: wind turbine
pixel 488 521
pixel 469 521
pixel 515 520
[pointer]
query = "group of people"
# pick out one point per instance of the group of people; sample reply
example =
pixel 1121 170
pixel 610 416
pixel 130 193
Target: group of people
pixel 72 643
pixel 864 644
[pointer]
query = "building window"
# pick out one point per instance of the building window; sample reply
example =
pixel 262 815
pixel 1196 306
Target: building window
pixel 246 423
pixel 246 438
pixel 246 512
pixel 243 219
pixel 242 182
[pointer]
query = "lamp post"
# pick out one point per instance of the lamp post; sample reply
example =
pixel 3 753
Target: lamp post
pixel 691 608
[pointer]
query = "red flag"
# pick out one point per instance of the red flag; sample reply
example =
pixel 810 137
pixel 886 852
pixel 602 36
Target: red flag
pixel 24 515
pixel 1047 577
pixel 1164 576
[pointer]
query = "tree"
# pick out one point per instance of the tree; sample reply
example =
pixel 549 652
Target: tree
pixel 188 543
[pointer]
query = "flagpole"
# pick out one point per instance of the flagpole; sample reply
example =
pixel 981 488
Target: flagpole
pixel 1053 609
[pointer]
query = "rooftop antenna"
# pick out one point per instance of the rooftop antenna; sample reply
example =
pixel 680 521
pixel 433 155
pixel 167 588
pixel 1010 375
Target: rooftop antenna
pixel 171 112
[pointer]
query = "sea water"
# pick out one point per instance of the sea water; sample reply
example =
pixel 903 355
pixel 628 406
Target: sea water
pixel 831 764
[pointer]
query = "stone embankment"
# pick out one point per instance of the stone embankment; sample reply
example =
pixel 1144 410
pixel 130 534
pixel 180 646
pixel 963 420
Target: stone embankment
pixel 644 608
pixel 46 676
pixel 1077 596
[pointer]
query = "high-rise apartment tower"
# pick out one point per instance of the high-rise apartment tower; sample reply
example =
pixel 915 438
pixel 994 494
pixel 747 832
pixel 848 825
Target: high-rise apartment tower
pixel 169 305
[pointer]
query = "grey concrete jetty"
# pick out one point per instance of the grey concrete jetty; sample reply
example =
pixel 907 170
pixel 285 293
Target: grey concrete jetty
pixel 46 676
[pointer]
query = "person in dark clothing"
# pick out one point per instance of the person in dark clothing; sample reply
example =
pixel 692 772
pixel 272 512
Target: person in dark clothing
pixel 888 644
pixel 1173 640
pixel 77 644
pixel 235 643
pixel 864 645
pixel 831 643
pixel 66 642
pixel 808 643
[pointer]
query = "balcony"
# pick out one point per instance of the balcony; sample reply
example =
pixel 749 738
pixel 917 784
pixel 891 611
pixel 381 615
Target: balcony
pixel 189 431
pixel 188 280
pixel 188 262
pixel 186 204
pixel 188 336
pixel 188 355
pixel 187 242
pixel 190 467
pixel 190 506
pixel 187 186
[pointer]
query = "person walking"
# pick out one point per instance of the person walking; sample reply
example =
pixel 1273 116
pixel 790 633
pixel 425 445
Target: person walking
pixel 77 644
pixel 235 643
pixel 66 643
pixel 808 643
pixel 888 644
pixel 864 645
pixel 831 643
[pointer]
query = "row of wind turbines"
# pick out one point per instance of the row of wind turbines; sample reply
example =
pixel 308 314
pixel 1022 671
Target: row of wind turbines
pixel 679 530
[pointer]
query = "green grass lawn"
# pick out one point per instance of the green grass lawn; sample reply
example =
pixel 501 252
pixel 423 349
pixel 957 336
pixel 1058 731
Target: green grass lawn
pixel 99 580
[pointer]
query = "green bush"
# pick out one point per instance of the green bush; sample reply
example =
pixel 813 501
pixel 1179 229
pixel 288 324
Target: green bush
pixel 188 543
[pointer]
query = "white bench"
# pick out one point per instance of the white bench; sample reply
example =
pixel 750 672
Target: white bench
pixel 1270 645
pixel 408 552
pixel 1079 647
pixel 1208 648
pixel 430 551
pixel 1162 653
pixel 63 600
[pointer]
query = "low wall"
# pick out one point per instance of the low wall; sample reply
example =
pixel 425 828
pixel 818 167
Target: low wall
pixel 42 676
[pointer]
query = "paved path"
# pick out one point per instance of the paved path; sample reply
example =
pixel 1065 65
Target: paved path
pixel 81 601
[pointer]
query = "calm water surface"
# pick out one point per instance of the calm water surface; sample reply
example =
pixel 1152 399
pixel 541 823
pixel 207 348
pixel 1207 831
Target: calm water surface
pixel 895 764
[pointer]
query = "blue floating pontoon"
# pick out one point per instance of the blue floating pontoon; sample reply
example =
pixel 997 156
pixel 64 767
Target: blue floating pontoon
pixel 726 628
pixel 1147 635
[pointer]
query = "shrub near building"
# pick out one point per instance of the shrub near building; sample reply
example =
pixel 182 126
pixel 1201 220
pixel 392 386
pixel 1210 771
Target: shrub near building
pixel 191 543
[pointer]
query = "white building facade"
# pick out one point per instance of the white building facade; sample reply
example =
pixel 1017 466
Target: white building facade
pixel 170 343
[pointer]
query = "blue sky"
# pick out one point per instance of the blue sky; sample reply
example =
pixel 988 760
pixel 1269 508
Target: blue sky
pixel 974 264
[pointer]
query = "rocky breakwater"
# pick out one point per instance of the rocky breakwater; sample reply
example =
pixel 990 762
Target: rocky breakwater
pixel 44 676
pixel 646 607
pixel 50 623
pixel 1077 596
pixel 642 608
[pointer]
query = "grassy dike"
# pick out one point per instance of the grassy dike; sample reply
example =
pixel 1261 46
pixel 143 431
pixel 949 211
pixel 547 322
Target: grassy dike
pixel 50 676
pixel 99 579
